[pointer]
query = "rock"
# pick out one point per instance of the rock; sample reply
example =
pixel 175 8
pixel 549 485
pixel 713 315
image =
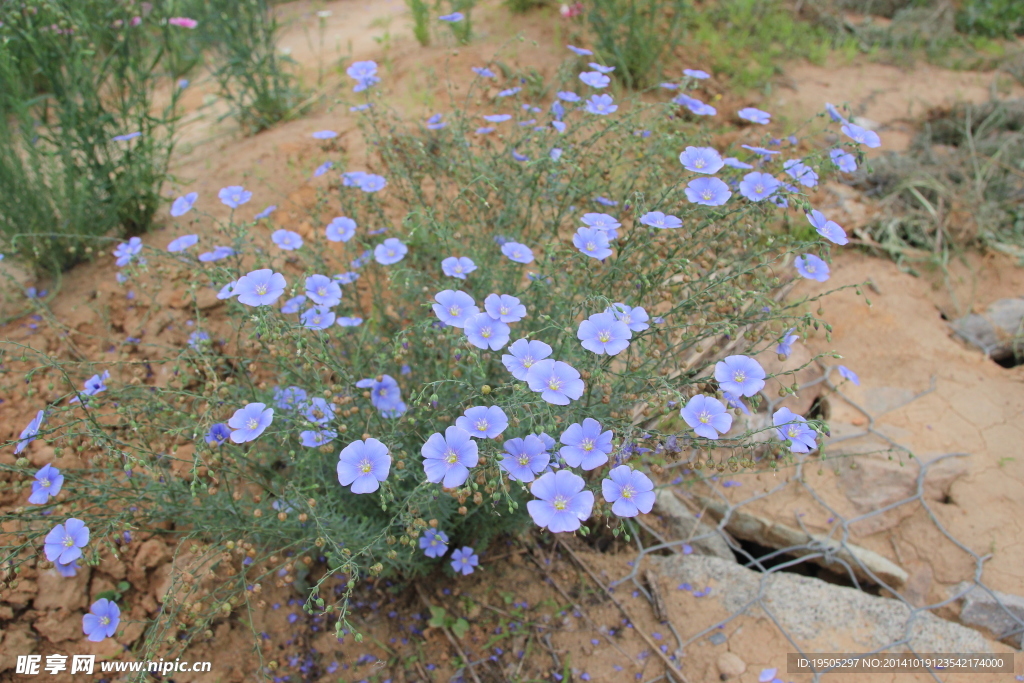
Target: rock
pixel 15 639
pixel 55 591
pixel 59 626
pixel 150 554
pixel 996 612
pixel 817 615
pixel 877 482
pixel 684 525
pixel 730 666
pixel 864 563
pixel 769 360
pixel 994 331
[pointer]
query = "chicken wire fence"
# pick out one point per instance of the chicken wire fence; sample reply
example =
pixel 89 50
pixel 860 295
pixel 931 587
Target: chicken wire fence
pixel 832 549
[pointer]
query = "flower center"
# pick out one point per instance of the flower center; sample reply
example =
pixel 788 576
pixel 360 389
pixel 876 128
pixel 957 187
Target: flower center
pixel 454 311
pixel 481 425
pixel 809 267
pixel 261 289
pixel 587 445
pixel 704 417
pixel 68 541
pixel 252 423
pixel 706 195
pixel 391 252
pixel 591 246
pixel 793 431
pixel 758 189
pixel 45 483
pixel 604 336
pixel 527 362
pixel 104 621
pixel 458 269
pixel 322 291
pixel 450 456
pixel 503 310
pixel 485 332
pixel 560 502
pixel 628 491
pixel 524 460
pixel 382 392
pixel 739 377
pixel 699 163
pixel 554 384
pixel 316 319
pixel 365 466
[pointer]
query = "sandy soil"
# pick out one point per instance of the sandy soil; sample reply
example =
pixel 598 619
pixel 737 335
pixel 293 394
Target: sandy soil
pixel 897 345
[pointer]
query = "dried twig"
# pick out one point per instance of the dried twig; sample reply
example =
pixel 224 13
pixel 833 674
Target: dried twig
pixel 660 609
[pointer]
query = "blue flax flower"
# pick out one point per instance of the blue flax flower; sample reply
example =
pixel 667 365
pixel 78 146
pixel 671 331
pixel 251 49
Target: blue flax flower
pixel 390 251
pixel 630 492
pixel 581 51
pixel 290 397
pixel 260 287
pixel 29 433
pixel 318 411
pixel 811 267
pixel 385 395
pixel 509 92
pixel 595 79
pixel 363 465
pixel 286 239
pixel 497 118
pixel 457 266
pixel 126 251
pixel 707 416
pixel 484 72
pixel 520 253
pixel 602 105
pixel 635 317
pixel 741 375
pixel 504 307
pixel 603 333
pixel 48 482
pixel 234 196
pixel 483 422
pixel 452 18
pixel 733 162
pixel 523 354
pixel 93 385
pixel 707 191
pixel 217 254
pixel 249 422
pixel 318 318
pixel 754 115
pixel 830 230
pixel 316 438
pixel 435 122
pixel 696 73
pixel 102 620
pixel 758 186
pixel 183 205
pixel 524 458
pixel 447 458
pixel 662 221
pixel 801 172
pixel 464 560
pixel 847 373
pixel 793 428
pixel 592 242
pixel 454 307
pixel 324 134
pixel 557 383
pixel 484 332
pixel 561 503
pixel 585 445
pixel 434 543
pixel 65 541
pixel 861 136
pixel 182 243
pixel 218 434
pixel 785 347
pixel 340 229
pixel 846 162
pixel 323 291
pixel 701 160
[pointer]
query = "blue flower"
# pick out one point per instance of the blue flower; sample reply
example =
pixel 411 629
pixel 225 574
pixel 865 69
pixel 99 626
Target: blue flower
pixel 266 212
pixel 630 492
pixel 635 317
pixel 483 72
pixel 218 434
pixel 694 105
pixel 524 458
pixel 657 219
pixel 126 136
pixel 484 332
pixel 758 186
pixel 522 355
pixel 509 92
pixel 830 230
pixel 260 287
pixel 318 410
pixel 520 253
pixel 234 196
pixel 602 105
pixel 457 266
pixel 519 157
pixel 846 162
pixel 568 96
pixel 603 333
pixel 363 465
pixel 385 395
pixel 325 134
pixel 293 305
pixel 249 422
pixel 48 482
pixel 323 291
pixel 861 136
pixel 696 73
pixel 733 162
pixel 318 318
pixel 286 239
pixel 707 416
pixel 741 375
pixel 183 205
pixel 345 321
pixel 454 307
pixel 762 151
pixel 390 251
pixel 834 113
pixel 217 254
pixel 102 620
pixel 464 559
pixel 504 307
pixel 595 79
pixel 793 428
pixel 557 383
pixel 370 182
pixel 701 160
pixel 290 397
pixel 484 130
pixel 811 267
pixel 320 170
pixel 447 459
pixel 581 51
pixel 755 115
pixel 435 122
pixel 592 242
pixel 785 347
pixel 585 445
pixel 707 191
pixel 555 154
pixel 483 422
pixel 801 172
pixel 126 251
pixel 602 222
pixel 452 18
pixel 561 503
pixel 434 543
pixel 847 373
pixel 341 229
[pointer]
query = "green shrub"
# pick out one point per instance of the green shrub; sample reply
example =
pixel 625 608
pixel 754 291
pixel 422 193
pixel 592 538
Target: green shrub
pixel 633 35
pixel 992 18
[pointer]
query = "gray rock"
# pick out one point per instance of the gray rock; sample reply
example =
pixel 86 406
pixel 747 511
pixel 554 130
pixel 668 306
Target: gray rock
pixel 820 616
pixel 995 331
pixel 998 613
pixel 865 564
pixel 703 538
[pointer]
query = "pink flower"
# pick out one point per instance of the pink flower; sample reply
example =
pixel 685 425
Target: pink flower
pixel 184 22
pixel 138 20
pixel 573 10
